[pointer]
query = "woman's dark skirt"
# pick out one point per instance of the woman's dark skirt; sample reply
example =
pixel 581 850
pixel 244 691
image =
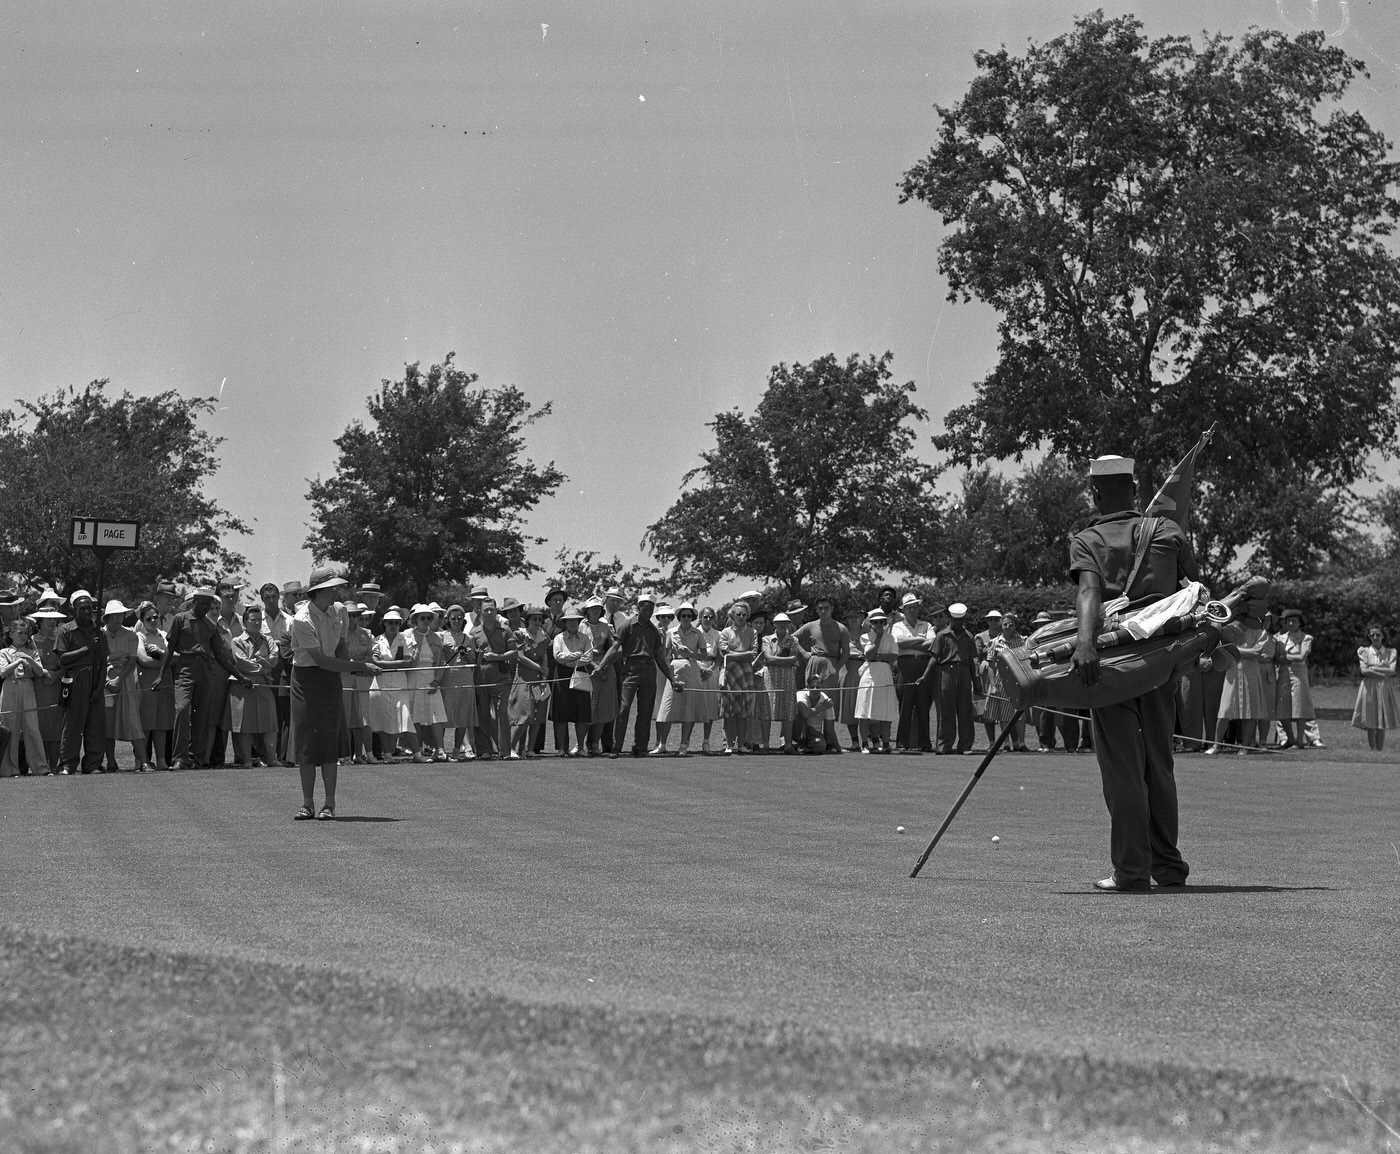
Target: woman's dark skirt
pixel 571 706
pixel 317 718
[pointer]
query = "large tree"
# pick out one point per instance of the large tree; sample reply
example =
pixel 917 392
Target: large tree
pixel 83 453
pixel 437 487
pixel 1172 235
pixel 822 477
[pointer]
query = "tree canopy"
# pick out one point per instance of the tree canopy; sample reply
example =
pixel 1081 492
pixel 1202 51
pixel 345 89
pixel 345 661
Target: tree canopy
pixel 437 487
pixel 83 453
pixel 1012 530
pixel 821 477
pixel 583 574
pixel 1172 235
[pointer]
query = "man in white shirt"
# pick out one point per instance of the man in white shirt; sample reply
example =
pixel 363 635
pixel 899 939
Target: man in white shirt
pixel 916 676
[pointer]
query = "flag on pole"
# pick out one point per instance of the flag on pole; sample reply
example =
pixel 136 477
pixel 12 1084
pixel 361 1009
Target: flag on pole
pixel 1173 499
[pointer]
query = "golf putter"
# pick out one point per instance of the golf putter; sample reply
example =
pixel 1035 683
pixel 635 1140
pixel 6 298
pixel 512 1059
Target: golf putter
pixel 957 805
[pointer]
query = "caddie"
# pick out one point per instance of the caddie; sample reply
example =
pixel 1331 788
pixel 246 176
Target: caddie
pixel 1122 551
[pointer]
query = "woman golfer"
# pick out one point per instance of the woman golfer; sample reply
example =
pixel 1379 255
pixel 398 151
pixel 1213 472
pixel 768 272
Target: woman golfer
pixel 318 635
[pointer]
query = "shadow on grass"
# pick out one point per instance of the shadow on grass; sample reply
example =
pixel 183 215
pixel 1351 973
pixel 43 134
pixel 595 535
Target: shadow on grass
pixel 339 820
pixel 1177 891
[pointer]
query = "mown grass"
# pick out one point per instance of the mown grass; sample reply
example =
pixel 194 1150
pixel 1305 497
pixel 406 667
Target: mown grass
pixel 104 1048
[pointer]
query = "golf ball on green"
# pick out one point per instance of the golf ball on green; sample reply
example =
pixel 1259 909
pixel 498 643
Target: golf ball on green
pixel 995 839
pixel 899 829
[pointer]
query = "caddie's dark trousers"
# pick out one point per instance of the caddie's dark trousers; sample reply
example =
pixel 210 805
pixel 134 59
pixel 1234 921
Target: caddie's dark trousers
pixel 84 724
pixel 915 702
pixel 639 684
pixel 1046 723
pixel 199 708
pixel 955 718
pixel 1133 744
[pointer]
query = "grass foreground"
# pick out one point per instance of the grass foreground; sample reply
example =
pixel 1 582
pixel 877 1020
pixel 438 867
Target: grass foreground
pixel 115 1048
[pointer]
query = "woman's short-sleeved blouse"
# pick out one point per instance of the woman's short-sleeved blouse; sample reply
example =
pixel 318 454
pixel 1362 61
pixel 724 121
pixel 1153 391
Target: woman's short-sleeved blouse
pixel 315 632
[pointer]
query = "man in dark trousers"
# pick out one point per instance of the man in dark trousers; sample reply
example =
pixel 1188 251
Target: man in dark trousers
pixel 199 652
pixel 1123 552
pixel 81 650
pixel 637 651
pixel 955 655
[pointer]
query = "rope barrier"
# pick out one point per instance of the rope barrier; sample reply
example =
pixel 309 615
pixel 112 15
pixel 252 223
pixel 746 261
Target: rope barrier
pixel 280 689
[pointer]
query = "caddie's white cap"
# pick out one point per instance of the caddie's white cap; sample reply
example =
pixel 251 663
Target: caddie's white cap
pixel 1111 466
pixel 957 610
pixel 987 616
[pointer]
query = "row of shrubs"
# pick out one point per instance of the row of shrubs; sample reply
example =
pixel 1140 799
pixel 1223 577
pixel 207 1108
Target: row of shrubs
pixel 1336 612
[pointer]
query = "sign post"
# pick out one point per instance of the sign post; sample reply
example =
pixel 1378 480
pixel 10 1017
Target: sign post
pixel 104 538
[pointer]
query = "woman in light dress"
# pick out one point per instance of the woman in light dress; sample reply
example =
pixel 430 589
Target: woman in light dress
pixel 602 702
pixel 391 712
pixel 424 683
pixel 1377 702
pixel 123 689
pixel 664 618
pixel 1247 697
pixel 683 647
pixel 738 650
pixel 707 705
pixel 780 660
pixel 251 709
pixel 877 704
pixel 1294 695
pixel 157 684
pixel 573 658
pixel 21 667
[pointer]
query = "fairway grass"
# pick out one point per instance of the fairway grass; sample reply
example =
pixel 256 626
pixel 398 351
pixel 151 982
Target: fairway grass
pixel 108 1048
pixel 712 954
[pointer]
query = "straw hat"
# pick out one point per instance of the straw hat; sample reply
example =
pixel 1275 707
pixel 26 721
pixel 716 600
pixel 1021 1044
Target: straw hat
pixel 326 577
pixel 115 606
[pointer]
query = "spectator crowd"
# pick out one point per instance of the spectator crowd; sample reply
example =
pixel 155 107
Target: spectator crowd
pixel 185 674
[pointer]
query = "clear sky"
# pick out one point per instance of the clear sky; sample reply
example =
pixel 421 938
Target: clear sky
pixel 630 209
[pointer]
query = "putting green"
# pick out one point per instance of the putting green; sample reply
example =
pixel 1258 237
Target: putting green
pixel 774 889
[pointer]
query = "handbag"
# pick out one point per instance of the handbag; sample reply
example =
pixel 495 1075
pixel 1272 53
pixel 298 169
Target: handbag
pixel 581 680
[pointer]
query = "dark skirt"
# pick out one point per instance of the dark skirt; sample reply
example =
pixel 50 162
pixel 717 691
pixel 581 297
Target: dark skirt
pixel 571 705
pixel 317 716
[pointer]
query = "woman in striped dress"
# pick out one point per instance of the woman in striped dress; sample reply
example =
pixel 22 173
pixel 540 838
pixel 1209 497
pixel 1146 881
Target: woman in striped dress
pixel 738 649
